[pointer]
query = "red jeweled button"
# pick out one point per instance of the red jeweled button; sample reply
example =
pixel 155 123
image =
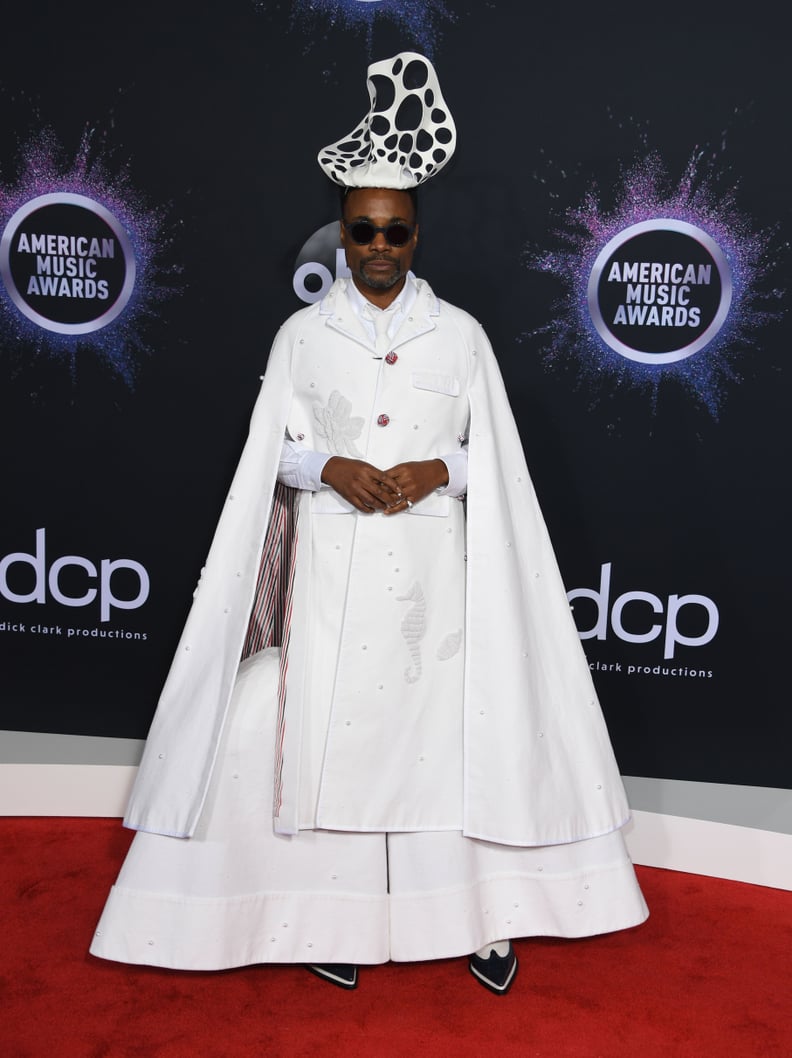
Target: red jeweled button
pixel 383 420
pixel 391 358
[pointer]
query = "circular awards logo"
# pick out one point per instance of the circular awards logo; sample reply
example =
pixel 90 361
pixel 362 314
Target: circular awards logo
pixel 667 286
pixel 659 291
pixel 67 263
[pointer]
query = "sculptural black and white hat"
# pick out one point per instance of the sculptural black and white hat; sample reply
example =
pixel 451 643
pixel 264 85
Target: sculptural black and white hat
pixel 407 136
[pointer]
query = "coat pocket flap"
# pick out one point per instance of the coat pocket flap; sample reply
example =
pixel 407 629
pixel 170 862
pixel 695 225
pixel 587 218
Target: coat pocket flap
pixel 436 383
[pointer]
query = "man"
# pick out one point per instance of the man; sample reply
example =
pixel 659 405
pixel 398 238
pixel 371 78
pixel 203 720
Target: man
pixel 379 272
pixel 443 779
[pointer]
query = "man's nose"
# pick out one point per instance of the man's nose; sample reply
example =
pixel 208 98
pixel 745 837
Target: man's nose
pixel 379 242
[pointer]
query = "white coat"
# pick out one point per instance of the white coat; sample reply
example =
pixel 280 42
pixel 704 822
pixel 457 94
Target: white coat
pixel 538 764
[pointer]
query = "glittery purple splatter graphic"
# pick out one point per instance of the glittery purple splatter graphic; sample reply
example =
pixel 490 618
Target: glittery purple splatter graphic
pixel 420 19
pixel 43 168
pixel 646 192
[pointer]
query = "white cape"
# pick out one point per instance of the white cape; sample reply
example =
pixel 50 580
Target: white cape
pixel 538 764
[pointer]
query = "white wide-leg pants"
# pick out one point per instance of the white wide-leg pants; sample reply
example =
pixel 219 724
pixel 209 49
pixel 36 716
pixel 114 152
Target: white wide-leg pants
pixel 237 894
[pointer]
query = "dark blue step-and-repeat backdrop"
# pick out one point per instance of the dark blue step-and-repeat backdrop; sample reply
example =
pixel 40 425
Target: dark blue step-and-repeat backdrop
pixel 616 215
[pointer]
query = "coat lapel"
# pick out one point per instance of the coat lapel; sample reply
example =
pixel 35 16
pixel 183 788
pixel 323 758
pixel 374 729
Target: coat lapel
pixel 337 311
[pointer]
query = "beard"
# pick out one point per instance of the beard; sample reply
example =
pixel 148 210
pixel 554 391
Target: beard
pixel 377 281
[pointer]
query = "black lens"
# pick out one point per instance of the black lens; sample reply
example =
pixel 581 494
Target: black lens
pixel 362 232
pixel 398 234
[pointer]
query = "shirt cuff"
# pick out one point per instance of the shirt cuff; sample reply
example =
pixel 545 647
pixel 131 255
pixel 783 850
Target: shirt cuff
pixel 301 467
pixel 457 465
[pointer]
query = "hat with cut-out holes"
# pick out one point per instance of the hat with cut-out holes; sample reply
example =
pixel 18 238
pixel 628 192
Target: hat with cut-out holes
pixel 407 136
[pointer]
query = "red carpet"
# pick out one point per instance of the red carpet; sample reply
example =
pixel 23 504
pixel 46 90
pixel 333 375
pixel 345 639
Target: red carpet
pixel 708 976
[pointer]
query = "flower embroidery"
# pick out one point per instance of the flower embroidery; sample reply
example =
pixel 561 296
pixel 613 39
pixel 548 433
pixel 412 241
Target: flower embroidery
pixel 337 426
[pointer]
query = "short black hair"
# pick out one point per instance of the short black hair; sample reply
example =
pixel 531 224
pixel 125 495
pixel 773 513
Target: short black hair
pixel 411 191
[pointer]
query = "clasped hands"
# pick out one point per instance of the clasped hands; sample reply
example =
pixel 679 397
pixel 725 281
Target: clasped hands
pixel 390 491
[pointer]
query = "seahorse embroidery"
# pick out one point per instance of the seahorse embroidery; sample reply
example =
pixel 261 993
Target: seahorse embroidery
pixel 413 628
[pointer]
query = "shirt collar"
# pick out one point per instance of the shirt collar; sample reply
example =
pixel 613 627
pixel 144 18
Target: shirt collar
pixel 364 308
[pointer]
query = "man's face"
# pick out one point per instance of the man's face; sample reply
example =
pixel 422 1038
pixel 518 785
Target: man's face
pixel 378 266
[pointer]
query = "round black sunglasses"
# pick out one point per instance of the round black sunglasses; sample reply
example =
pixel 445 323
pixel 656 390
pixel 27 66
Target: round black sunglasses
pixel 364 232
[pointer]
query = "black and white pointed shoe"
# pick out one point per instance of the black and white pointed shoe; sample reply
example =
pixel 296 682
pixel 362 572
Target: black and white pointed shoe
pixel 496 972
pixel 345 975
